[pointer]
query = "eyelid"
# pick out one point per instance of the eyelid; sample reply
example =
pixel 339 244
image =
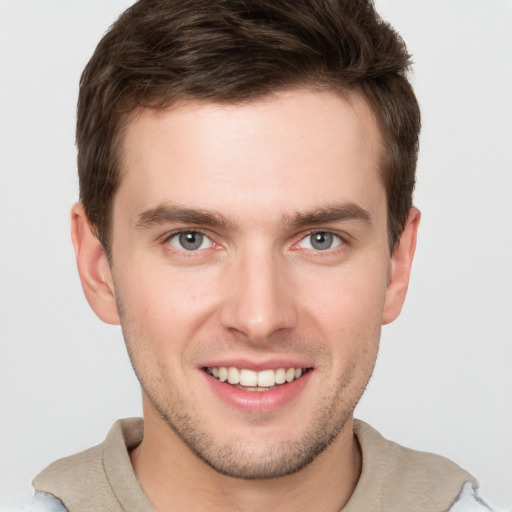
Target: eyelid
pixel 344 239
pixel 340 236
pixel 169 234
pixel 166 239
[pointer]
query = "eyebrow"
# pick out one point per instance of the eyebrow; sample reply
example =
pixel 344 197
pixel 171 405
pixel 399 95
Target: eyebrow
pixel 329 214
pixel 168 213
pixel 164 214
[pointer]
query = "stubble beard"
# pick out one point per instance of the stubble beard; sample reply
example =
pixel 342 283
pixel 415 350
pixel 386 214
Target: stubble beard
pixel 234 459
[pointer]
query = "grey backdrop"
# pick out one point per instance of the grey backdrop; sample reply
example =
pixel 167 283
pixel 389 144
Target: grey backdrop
pixel 443 382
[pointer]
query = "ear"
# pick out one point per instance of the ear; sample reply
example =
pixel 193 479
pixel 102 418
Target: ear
pixel 400 268
pixel 93 267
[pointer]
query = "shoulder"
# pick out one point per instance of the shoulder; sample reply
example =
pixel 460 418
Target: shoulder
pixel 91 466
pixel 71 472
pixel 406 466
pixel 399 478
pixel 99 478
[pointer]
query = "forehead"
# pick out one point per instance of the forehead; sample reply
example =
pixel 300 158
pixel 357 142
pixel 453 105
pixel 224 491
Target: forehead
pixel 292 151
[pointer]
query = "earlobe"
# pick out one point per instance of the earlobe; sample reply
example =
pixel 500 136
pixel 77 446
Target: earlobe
pixel 400 268
pixel 93 267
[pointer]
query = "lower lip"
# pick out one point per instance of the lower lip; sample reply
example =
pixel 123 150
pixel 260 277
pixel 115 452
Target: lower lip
pixel 258 401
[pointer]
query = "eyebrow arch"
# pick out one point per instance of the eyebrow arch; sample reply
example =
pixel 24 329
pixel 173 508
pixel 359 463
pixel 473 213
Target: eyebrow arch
pixel 335 213
pixel 166 213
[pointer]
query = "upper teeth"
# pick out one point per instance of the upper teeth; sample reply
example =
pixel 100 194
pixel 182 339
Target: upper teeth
pixel 250 378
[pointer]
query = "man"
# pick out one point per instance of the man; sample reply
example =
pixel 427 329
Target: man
pixel 246 178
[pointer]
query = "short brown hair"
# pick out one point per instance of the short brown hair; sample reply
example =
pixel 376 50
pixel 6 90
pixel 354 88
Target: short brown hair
pixel 161 51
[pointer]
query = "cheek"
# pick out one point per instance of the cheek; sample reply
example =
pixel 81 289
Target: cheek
pixel 346 312
pixel 351 297
pixel 164 301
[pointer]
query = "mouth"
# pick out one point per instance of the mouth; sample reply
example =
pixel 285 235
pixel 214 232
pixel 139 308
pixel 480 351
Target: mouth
pixel 250 380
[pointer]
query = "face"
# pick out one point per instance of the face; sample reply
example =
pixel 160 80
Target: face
pixel 252 273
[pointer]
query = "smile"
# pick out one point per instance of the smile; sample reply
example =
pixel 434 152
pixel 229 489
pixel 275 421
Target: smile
pixel 251 380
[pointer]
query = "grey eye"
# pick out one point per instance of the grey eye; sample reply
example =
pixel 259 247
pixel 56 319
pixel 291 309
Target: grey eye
pixel 320 241
pixel 190 241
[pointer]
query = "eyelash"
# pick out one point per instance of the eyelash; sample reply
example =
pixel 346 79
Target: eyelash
pixel 341 241
pixel 175 234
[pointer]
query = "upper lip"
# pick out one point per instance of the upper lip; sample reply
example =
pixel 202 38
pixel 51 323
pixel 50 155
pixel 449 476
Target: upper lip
pixel 268 364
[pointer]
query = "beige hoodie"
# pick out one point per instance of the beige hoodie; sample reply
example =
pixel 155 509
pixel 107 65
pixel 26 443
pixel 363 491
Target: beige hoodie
pixel 393 478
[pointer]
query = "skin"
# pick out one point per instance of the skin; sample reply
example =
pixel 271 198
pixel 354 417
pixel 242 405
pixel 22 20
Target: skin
pixel 256 291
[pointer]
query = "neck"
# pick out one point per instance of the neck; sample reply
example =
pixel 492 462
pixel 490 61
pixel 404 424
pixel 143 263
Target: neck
pixel 173 478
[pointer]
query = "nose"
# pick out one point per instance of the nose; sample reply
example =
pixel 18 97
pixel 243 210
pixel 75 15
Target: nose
pixel 259 298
